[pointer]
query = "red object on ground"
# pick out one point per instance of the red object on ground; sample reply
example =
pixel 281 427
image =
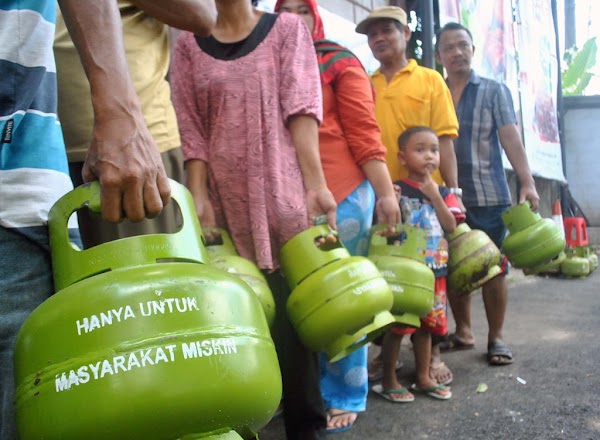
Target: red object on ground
pixel 557 216
pixel 576 231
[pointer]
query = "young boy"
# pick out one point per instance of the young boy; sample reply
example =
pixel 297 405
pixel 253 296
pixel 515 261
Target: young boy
pixel 434 208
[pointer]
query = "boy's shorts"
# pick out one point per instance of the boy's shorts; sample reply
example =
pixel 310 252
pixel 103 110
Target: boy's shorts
pixel 489 220
pixel 436 321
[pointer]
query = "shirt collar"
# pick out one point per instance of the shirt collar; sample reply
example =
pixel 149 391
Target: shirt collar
pixel 412 183
pixel 412 64
pixel 473 78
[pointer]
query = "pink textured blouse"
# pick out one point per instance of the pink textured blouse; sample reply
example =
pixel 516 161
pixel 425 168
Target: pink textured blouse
pixel 232 115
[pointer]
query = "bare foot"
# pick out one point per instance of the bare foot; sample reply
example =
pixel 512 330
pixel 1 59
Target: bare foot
pixel 339 418
pixel 375 368
pixel 440 373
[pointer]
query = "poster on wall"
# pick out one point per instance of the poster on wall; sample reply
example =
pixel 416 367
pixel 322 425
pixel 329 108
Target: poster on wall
pixel 538 76
pixel 507 51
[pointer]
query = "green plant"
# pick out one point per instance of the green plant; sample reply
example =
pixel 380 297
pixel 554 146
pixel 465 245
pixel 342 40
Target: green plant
pixel 579 64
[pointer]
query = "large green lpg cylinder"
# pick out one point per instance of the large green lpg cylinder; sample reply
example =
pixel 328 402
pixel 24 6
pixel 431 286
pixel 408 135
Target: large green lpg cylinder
pixel 473 260
pixel 401 260
pixel 143 340
pixel 338 302
pixel 532 240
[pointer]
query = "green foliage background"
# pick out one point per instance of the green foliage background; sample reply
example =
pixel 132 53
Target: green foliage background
pixel 578 71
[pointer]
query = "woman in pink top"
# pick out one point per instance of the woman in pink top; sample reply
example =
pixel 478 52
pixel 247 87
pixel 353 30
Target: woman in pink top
pixel 248 101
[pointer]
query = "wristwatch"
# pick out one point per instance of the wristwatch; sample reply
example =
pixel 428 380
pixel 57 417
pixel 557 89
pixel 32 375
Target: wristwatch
pixel 456 191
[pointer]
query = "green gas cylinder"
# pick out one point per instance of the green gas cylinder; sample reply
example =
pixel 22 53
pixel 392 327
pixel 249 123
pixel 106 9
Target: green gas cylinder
pixel 401 260
pixel 223 255
pixel 588 253
pixel 143 340
pixel 576 265
pixel 473 260
pixel 338 302
pixel 551 267
pixel 532 240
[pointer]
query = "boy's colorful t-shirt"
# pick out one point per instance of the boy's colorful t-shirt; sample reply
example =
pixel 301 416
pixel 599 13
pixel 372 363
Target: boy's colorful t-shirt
pixel 418 211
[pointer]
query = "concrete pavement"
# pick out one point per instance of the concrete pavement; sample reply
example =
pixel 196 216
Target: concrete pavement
pixel 553 328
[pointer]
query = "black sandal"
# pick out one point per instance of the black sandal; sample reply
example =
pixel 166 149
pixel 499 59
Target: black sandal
pixel 500 351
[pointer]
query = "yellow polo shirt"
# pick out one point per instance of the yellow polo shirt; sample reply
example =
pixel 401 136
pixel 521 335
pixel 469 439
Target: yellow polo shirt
pixel 147 49
pixel 415 96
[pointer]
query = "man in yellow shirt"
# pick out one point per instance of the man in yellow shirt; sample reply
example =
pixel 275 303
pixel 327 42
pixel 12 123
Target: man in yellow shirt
pixel 407 95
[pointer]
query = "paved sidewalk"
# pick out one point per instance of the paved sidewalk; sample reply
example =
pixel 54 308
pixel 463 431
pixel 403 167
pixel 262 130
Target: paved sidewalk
pixel 553 328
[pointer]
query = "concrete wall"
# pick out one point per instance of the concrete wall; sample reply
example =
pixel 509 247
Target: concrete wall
pixel 582 153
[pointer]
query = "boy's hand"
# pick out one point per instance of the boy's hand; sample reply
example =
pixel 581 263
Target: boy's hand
pixel 429 187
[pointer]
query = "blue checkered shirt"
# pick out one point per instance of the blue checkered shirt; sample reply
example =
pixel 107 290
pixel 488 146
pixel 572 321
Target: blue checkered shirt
pixel 485 105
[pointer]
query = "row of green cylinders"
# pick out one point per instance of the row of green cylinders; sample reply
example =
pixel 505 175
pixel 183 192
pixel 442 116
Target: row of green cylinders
pixel 160 337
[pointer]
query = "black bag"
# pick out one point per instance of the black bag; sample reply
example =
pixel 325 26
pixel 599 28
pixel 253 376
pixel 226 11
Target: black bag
pixel 570 208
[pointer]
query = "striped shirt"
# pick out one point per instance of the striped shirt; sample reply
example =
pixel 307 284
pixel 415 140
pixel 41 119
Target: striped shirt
pixel 485 106
pixel 33 163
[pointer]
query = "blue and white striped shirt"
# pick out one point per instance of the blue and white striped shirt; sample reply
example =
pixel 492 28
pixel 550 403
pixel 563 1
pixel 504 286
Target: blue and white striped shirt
pixel 33 163
pixel 485 106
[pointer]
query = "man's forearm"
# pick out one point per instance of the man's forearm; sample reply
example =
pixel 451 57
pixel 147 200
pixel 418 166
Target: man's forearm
pixel 95 27
pixel 510 139
pixel 122 154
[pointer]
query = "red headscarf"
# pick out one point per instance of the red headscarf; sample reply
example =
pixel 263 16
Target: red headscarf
pixel 332 57
pixel 319 31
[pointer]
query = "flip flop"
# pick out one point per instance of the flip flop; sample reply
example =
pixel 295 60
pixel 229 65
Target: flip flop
pixel 341 428
pixel 454 343
pixel 499 349
pixel 386 394
pixel 435 371
pixel 431 391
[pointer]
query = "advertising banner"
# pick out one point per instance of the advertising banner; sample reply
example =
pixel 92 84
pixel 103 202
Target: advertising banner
pixel 515 44
pixel 538 76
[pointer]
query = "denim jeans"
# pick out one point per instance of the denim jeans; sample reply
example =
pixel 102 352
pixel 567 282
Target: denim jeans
pixel 25 282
